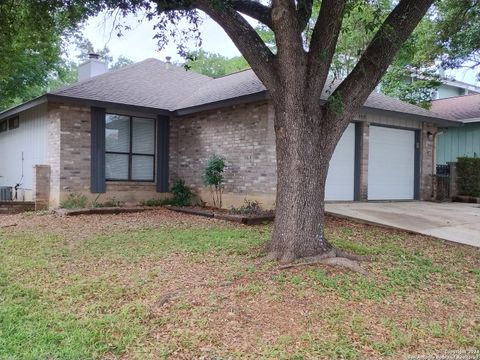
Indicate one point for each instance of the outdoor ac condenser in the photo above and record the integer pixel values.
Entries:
(6, 193)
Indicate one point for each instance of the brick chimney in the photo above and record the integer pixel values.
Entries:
(92, 67)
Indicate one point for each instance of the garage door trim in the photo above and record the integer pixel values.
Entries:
(416, 169)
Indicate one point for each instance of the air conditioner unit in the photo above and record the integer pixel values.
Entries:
(6, 193)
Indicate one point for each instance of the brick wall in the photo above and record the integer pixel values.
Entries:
(363, 166)
(243, 134)
(41, 186)
(427, 166)
(69, 159)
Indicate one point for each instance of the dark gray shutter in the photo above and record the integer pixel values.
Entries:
(163, 134)
(97, 177)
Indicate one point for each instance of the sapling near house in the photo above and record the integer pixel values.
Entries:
(213, 178)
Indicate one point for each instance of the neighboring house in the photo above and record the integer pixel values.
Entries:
(129, 133)
(459, 141)
(453, 88)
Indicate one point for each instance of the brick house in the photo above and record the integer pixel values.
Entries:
(129, 133)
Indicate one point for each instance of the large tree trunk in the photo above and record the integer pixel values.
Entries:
(304, 146)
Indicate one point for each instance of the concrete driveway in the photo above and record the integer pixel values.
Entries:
(456, 222)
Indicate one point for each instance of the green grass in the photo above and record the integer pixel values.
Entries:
(32, 327)
(155, 243)
(96, 297)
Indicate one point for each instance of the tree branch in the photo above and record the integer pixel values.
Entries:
(374, 62)
(255, 10)
(323, 44)
(304, 12)
(244, 36)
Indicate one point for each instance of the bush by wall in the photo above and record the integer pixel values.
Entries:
(468, 171)
(182, 194)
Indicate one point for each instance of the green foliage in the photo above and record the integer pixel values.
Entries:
(250, 207)
(182, 194)
(31, 46)
(458, 27)
(420, 90)
(74, 201)
(468, 170)
(213, 177)
(214, 168)
(214, 65)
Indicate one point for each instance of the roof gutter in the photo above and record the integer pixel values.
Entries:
(441, 122)
(78, 101)
(22, 107)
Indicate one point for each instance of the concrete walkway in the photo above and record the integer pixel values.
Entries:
(456, 222)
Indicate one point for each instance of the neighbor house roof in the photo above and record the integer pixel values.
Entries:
(461, 84)
(463, 109)
(153, 84)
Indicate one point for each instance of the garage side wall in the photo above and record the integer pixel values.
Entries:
(244, 135)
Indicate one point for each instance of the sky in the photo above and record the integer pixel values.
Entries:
(138, 44)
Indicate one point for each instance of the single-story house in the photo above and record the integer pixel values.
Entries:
(459, 141)
(129, 133)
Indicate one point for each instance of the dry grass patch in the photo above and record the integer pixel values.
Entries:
(165, 285)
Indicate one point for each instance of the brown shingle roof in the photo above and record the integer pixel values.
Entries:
(156, 85)
(459, 108)
(246, 83)
(150, 83)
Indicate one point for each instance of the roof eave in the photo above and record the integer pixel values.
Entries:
(435, 120)
(23, 107)
(107, 104)
(79, 101)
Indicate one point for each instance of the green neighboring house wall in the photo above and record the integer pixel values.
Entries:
(461, 141)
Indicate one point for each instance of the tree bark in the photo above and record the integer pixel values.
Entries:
(304, 146)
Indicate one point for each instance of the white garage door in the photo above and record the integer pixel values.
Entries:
(341, 173)
(391, 164)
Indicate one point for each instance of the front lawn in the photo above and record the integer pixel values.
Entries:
(164, 285)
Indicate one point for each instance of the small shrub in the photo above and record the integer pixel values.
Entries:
(156, 202)
(182, 194)
(213, 178)
(469, 176)
(250, 207)
(74, 201)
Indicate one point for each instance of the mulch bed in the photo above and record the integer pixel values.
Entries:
(97, 211)
(223, 214)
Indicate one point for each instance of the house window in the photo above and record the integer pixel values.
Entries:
(3, 126)
(130, 148)
(13, 123)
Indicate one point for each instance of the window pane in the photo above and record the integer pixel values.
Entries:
(142, 167)
(117, 133)
(143, 137)
(116, 166)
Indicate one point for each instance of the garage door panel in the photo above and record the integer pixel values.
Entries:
(341, 172)
(391, 164)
